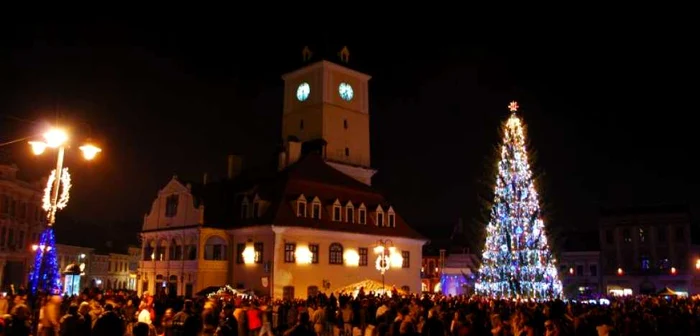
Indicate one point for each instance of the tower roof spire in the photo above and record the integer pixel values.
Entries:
(306, 53)
(344, 54)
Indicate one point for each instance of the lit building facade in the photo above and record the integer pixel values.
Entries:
(311, 226)
(110, 271)
(21, 221)
(430, 271)
(75, 255)
(580, 273)
(644, 250)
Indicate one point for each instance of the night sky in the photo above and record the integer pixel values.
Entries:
(610, 116)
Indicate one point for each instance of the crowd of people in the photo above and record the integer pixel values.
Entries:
(362, 314)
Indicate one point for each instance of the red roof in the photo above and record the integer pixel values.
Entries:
(312, 177)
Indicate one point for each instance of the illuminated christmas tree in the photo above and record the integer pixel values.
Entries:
(45, 276)
(516, 259)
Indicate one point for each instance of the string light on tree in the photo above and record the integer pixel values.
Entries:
(516, 259)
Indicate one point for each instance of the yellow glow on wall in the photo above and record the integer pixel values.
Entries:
(396, 258)
(303, 255)
(352, 258)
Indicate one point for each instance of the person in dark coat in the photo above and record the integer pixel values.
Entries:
(302, 328)
(229, 324)
(186, 322)
(433, 326)
(109, 323)
(71, 322)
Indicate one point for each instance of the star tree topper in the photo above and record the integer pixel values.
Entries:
(513, 106)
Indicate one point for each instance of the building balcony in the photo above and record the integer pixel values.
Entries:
(168, 264)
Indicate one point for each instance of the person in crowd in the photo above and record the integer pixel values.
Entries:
(71, 323)
(229, 324)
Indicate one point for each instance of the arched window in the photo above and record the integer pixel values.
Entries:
(335, 255)
(149, 250)
(160, 249)
(175, 250)
(215, 248)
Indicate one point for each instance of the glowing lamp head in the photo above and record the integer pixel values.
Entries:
(303, 255)
(620, 271)
(35, 247)
(396, 260)
(673, 270)
(378, 249)
(248, 255)
(352, 258)
(38, 147)
(90, 151)
(55, 138)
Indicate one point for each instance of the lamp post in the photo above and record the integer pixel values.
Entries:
(45, 275)
(387, 258)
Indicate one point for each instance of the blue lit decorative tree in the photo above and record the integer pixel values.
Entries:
(516, 260)
(46, 276)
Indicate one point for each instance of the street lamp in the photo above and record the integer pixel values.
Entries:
(45, 275)
(387, 258)
(57, 138)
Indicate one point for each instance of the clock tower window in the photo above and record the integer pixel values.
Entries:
(347, 151)
(345, 124)
(301, 124)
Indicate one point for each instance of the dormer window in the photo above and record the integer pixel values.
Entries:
(362, 214)
(379, 216)
(256, 209)
(316, 209)
(337, 211)
(171, 203)
(391, 218)
(244, 208)
(301, 206)
(349, 213)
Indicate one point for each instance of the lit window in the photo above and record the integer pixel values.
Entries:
(364, 257)
(258, 253)
(313, 248)
(645, 262)
(289, 249)
(335, 256)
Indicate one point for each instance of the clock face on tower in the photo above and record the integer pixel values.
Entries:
(345, 91)
(303, 91)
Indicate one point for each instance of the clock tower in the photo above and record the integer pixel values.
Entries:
(329, 102)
